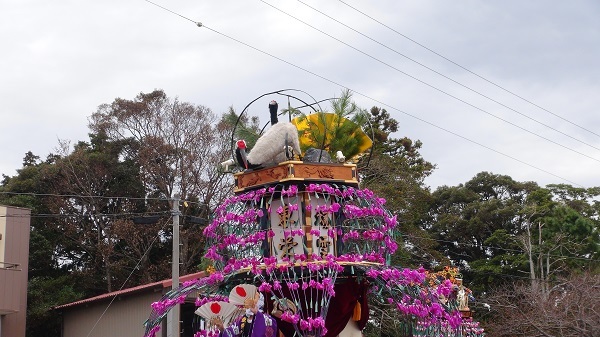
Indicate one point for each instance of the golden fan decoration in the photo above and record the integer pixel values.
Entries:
(333, 133)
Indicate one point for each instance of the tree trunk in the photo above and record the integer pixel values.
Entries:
(530, 256)
(542, 278)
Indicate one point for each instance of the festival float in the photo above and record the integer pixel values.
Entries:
(303, 239)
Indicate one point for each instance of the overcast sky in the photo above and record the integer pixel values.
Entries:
(61, 59)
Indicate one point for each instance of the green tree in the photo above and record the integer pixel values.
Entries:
(338, 130)
(497, 229)
(557, 239)
(49, 282)
(139, 154)
(178, 147)
(97, 186)
(242, 127)
(44, 292)
(476, 225)
(24, 190)
(396, 171)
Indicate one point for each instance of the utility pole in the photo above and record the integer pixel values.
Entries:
(173, 315)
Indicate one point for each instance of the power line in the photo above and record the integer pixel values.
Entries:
(409, 236)
(479, 272)
(447, 77)
(488, 273)
(498, 248)
(468, 70)
(172, 12)
(378, 101)
(85, 215)
(441, 90)
(81, 196)
(128, 277)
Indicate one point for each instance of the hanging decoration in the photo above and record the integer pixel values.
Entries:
(317, 248)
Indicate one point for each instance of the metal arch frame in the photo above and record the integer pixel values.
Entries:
(277, 92)
(311, 105)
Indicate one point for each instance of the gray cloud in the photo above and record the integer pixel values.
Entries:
(61, 60)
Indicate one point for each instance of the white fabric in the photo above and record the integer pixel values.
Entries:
(270, 147)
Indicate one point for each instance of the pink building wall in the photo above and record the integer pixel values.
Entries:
(14, 258)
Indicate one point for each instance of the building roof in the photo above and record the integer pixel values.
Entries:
(164, 284)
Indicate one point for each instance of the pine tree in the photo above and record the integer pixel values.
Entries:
(339, 130)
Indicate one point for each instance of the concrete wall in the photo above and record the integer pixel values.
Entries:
(124, 317)
(14, 258)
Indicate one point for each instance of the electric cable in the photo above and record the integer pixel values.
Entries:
(128, 277)
(498, 248)
(175, 13)
(468, 70)
(489, 273)
(246, 107)
(306, 105)
(407, 236)
(436, 88)
(378, 101)
(82, 196)
(57, 215)
(448, 78)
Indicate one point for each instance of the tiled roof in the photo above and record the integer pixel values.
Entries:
(164, 284)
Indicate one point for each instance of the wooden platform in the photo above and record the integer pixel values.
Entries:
(466, 313)
(296, 171)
